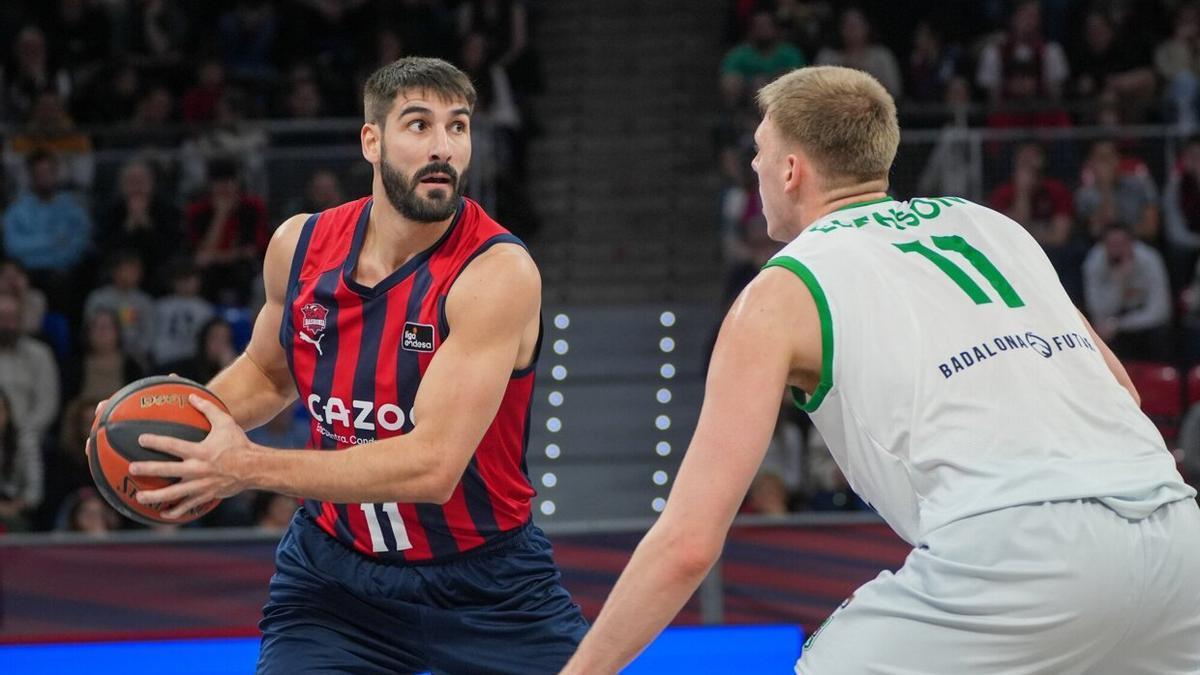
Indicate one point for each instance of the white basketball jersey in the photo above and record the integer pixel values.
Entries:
(958, 377)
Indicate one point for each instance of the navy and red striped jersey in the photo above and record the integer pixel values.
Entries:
(357, 355)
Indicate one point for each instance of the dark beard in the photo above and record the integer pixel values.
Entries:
(402, 192)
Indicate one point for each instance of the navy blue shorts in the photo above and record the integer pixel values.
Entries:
(497, 610)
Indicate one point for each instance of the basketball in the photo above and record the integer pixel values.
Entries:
(152, 405)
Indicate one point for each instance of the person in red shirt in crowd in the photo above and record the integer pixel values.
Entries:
(1024, 105)
(227, 229)
(1044, 206)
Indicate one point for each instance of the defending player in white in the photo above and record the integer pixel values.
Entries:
(963, 396)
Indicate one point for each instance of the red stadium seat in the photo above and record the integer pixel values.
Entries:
(1160, 387)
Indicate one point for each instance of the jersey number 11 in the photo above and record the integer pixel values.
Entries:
(977, 260)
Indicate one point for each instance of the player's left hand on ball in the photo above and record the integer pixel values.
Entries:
(209, 470)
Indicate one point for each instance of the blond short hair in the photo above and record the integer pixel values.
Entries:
(843, 119)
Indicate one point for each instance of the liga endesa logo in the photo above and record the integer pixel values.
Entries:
(417, 337)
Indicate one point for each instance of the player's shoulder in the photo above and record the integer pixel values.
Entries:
(502, 264)
(289, 232)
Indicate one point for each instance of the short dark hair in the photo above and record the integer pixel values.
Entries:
(413, 72)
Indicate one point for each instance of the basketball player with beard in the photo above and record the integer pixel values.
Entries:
(407, 322)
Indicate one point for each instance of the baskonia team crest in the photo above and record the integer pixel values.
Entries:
(313, 325)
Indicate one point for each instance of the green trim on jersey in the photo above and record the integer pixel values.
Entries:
(855, 205)
(818, 294)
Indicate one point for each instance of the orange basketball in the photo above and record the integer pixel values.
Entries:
(152, 405)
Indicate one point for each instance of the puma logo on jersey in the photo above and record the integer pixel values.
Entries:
(316, 343)
(417, 337)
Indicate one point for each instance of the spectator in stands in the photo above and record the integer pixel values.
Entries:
(1043, 206)
(1106, 64)
(859, 50)
(1023, 107)
(152, 125)
(933, 64)
(1128, 297)
(156, 33)
(178, 317)
(1189, 304)
(1023, 45)
(14, 280)
(1177, 61)
(70, 470)
(1109, 196)
(304, 100)
(124, 297)
(31, 72)
(81, 37)
(86, 512)
(50, 129)
(747, 248)
(227, 228)
(780, 477)
(246, 37)
(199, 103)
(950, 170)
(1181, 212)
(46, 230)
(323, 191)
(495, 129)
(804, 23)
(506, 24)
(214, 351)
(228, 140)
(28, 373)
(21, 472)
(104, 366)
(1040, 203)
(111, 97)
(762, 57)
(140, 219)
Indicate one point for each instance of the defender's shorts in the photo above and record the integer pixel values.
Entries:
(1058, 588)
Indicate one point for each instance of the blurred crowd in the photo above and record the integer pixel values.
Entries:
(150, 147)
(1001, 88)
(135, 205)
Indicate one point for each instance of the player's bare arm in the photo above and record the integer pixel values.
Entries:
(257, 385)
(771, 337)
(493, 312)
(1113, 363)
